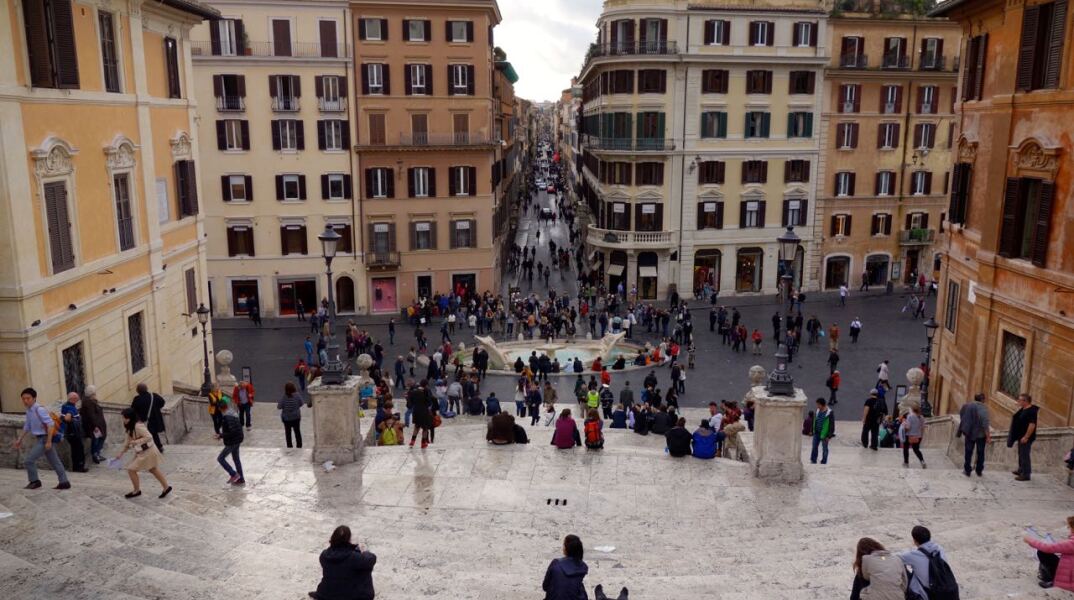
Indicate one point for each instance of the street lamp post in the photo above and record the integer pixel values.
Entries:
(788, 246)
(332, 373)
(780, 381)
(930, 332)
(207, 379)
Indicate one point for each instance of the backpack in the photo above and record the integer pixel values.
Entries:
(942, 584)
(592, 432)
(388, 437)
(54, 431)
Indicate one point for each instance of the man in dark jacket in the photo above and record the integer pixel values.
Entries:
(347, 570)
(418, 401)
(662, 421)
(149, 407)
(678, 439)
(626, 396)
(231, 433)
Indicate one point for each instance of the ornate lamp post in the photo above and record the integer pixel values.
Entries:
(333, 371)
(930, 332)
(788, 247)
(780, 381)
(207, 380)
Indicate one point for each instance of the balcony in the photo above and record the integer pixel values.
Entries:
(382, 260)
(917, 237)
(853, 61)
(270, 49)
(928, 108)
(609, 238)
(285, 104)
(895, 62)
(629, 144)
(230, 103)
(461, 138)
(931, 62)
(633, 48)
(889, 108)
(333, 105)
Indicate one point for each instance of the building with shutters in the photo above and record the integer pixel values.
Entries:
(886, 134)
(1007, 276)
(429, 147)
(275, 108)
(699, 144)
(101, 260)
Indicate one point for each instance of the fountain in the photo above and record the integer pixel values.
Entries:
(503, 355)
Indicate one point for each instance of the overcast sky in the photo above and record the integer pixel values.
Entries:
(546, 41)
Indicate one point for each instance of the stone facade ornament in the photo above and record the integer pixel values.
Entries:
(757, 375)
(53, 158)
(119, 155)
(1032, 159)
(967, 150)
(224, 377)
(364, 362)
(181, 145)
(913, 395)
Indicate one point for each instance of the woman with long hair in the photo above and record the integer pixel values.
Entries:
(346, 569)
(878, 574)
(146, 455)
(563, 580)
(566, 434)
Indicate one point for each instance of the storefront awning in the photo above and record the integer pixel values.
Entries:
(615, 270)
(646, 271)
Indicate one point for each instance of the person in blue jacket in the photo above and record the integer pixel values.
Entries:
(704, 441)
(563, 580)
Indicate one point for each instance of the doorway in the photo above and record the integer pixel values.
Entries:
(837, 272)
(876, 265)
(345, 295)
(383, 294)
(748, 270)
(292, 292)
(707, 270)
(463, 284)
(425, 286)
(911, 271)
(243, 296)
(648, 284)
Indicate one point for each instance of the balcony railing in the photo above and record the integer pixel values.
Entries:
(630, 144)
(895, 61)
(461, 138)
(625, 48)
(230, 103)
(853, 61)
(382, 260)
(285, 103)
(928, 108)
(931, 62)
(609, 238)
(889, 108)
(335, 105)
(917, 237)
(263, 49)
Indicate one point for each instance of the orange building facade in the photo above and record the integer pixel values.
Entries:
(1007, 277)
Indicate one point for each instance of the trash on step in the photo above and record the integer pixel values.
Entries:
(329, 466)
(4, 515)
(604, 549)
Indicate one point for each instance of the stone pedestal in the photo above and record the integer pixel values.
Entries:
(336, 426)
(224, 378)
(777, 437)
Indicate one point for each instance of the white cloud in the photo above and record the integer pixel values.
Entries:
(546, 41)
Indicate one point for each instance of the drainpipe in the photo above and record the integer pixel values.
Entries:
(682, 157)
(906, 139)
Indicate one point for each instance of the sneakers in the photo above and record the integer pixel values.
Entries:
(63, 485)
(233, 479)
(424, 445)
(33, 485)
(239, 481)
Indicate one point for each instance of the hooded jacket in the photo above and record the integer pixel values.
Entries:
(563, 580)
(347, 574)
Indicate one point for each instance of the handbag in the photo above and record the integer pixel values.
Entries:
(437, 420)
(914, 439)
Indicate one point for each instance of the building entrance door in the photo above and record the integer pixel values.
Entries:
(290, 292)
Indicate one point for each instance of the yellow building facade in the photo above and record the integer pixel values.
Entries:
(102, 259)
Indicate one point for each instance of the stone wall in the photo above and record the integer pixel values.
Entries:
(1048, 451)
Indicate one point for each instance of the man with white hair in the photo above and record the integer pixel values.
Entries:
(93, 424)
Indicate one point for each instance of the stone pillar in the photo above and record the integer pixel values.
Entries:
(777, 437)
(224, 378)
(337, 432)
(914, 377)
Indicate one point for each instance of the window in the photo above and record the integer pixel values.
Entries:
(461, 78)
(1027, 216)
(762, 33)
(759, 82)
(619, 217)
(230, 92)
(171, 60)
(422, 182)
(290, 187)
(844, 184)
(653, 33)
(846, 136)
(240, 240)
(717, 33)
(463, 181)
(932, 53)
(281, 37)
(333, 134)
(920, 183)
(616, 173)
(840, 225)
(1012, 365)
(1040, 52)
(190, 286)
(796, 171)
(124, 218)
(374, 30)
(288, 135)
(757, 124)
(419, 80)
(795, 211)
(109, 57)
(649, 173)
(924, 135)
(804, 34)
(752, 214)
(423, 235)
(416, 30)
(800, 124)
(885, 183)
(136, 338)
(927, 96)
(973, 73)
(852, 53)
(226, 35)
(460, 31)
(50, 41)
(186, 188)
(652, 81)
(887, 135)
(714, 81)
(881, 224)
(381, 240)
(335, 186)
(895, 53)
(650, 127)
(617, 82)
(802, 82)
(917, 220)
(714, 124)
(710, 215)
(649, 216)
(375, 79)
(961, 182)
(331, 92)
(755, 171)
(327, 30)
(293, 239)
(232, 135)
(891, 99)
(463, 234)
(710, 172)
(377, 132)
(344, 230)
(849, 98)
(236, 188)
(951, 312)
(379, 184)
(285, 91)
(419, 128)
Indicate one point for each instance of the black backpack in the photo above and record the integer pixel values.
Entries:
(942, 584)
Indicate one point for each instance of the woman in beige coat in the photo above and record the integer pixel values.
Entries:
(878, 574)
(146, 455)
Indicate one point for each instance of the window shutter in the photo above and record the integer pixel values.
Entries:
(834, 230)
(839, 98)
(786, 209)
(371, 233)
(710, 32)
(808, 125)
(453, 173)
(795, 38)
(296, 85)
(1042, 229)
(342, 86)
(813, 27)
(786, 172)
(408, 85)
(279, 187)
(225, 188)
(719, 215)
(925, 220)
(847, 227)
(275, 134)
(429, 89)
(850, 187)
(928, 182)
(470, 80)
(742, 213)
(387, 75)
(410, 182)
(369, 183)
(221, 135)
(764, 171)
(390, 174)
(979, 66)
(428, 30)
(753, 32)
(244, 130)
(473, 180)
(803, 212)
(469, 31)
(318, 86)
(969, 71)
(857, 98)
(301, 187)
(917, 135)
(453, 235)
(345, 134)
(347, 193)
(853, 135)
(413, 225)
(218, 81)
(432, 182)
(920, 98)
(324, 187)
(384, 30)
(876, 183)
(301, 135)
(1055, 49)
(320, 135)
(909, 221)
(761, 210)
(771, 33)
(1027, 49)
(365, 80)
(63, 35)
(952, 207)
(361, 29)
(249, 188)
(766, 121)
(37, 44)
(874, 227)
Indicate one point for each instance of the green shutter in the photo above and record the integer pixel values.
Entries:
(809, 124)
(790, 124)
(660, 126)
(746, 126)
(766, 119)
(629, 125)
(721, 124)
(641, 129)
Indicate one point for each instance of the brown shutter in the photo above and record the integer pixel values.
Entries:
(979, 65)
(786, 172)
(432, 235)
(710, 32)
(874, 227)
(365, 79)
(1042, 228)
(410, 182)
(470, 80)
(387, 72)
(813, 34)
(786, 209)
(1008, 237)
(221, 135)
(1027, 48)
(876, 183)
(279, 187)
(803, 212)
(275, 134)
(880, 135)
(413, 225)
(368, 183)
(771, 33)
(917, 135)
(473, 180)
(795, 38)
(853, 177)
(1055, 47)
(928, 182)
(318, 86)
(324, 187)
(329, 49)
(361, 29)
(841, 93)
(370, 229)
(384, 30)
(761, 210)
(408, 86)
(848, 223)
(300, 134)
(218, 83)
(920, 98)
(37, 43)
(452, 175)
(225, 188)
(857, 97)
(853, 135)
(249, 188)
(834, 228)
(59, 225)
(63, 34)
(320, 135)
(969, 70)
(390, 174)
(753, 33)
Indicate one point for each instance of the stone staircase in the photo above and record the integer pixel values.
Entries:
(462, 520)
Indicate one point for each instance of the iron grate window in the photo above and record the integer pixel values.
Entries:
(74, 369)
(136, 335)
(953, 291)
(1012, 369)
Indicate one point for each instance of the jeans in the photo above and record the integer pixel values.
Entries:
(35, 453)
(873, 430)
(78, 451)
(974, 447)
(222, 459)
(1025, 468)
(244, 415)
(520, 409)
(288, 427)
(96, 445)
(406, 417)
(218, 421)
(818, 442)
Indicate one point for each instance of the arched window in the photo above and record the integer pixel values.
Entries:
(344, 295)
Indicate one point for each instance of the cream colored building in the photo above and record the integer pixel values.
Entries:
(700, 143)
(102, 260)
(275, 106)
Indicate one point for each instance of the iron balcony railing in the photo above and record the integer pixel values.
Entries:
(230, 103)
(631, 48)
(461, 138)
(285, 103)
(275, 49)
(630, 144)
(853, 61)
(913, 237)
(382, 259)
(895, 61)
(334, 105)
(931, 62)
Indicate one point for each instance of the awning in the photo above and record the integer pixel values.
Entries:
(616, 270)
(646, 271)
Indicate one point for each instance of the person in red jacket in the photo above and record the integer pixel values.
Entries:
(1056, 560)
(243, 397)
(833, 384)
(605, 376)
(757, 338)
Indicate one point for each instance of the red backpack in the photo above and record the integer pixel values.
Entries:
(592, 432)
